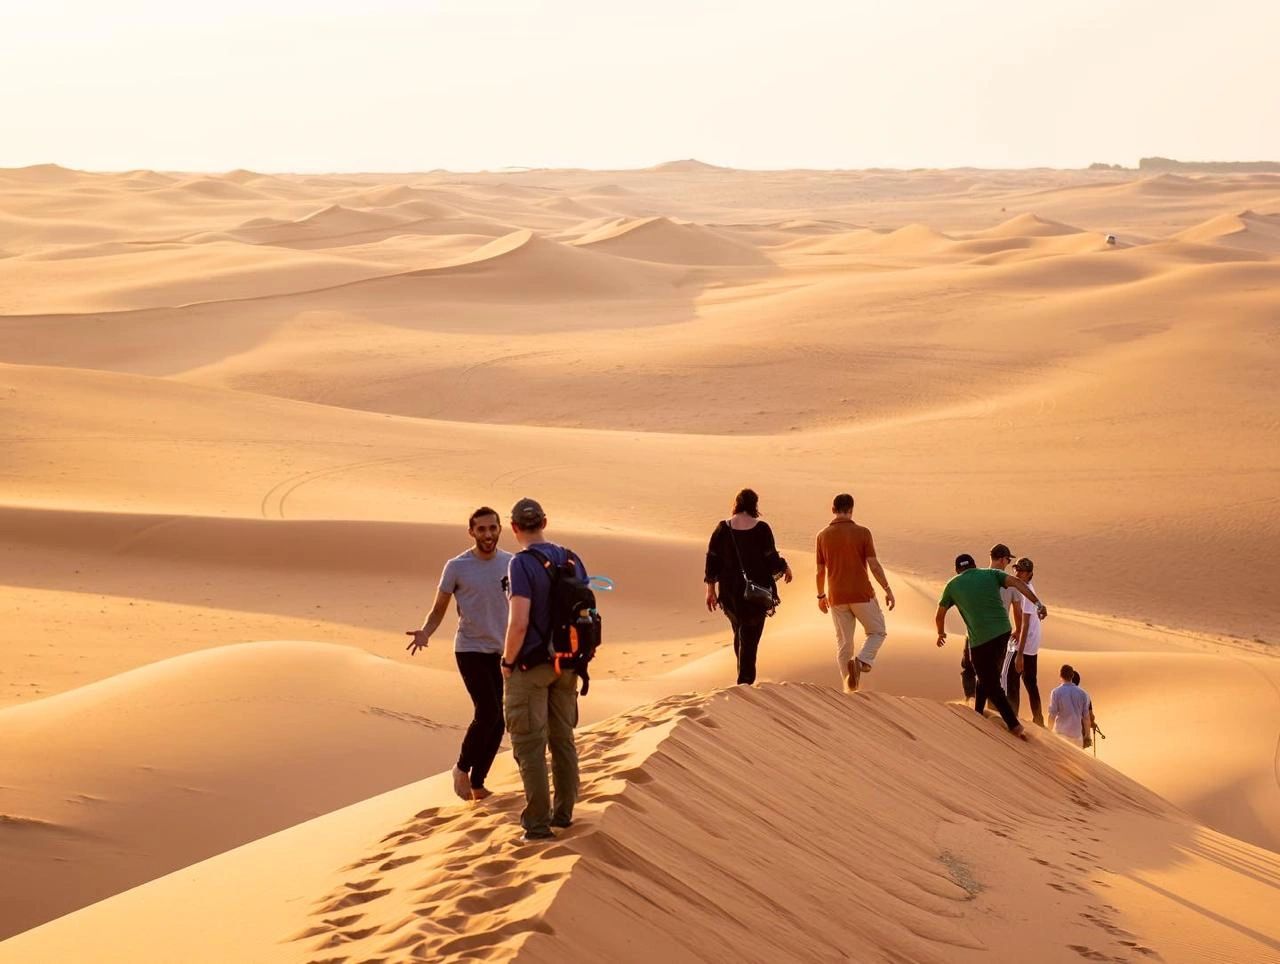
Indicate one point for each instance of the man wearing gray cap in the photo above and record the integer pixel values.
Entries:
(541, 700)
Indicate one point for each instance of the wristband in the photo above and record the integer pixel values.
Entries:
(822, 595)
(506, 665)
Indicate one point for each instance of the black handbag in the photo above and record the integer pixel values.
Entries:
(753, 594)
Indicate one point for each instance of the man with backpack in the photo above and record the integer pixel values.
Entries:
(552, 632)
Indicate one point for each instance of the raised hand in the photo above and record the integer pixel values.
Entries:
(420, 640)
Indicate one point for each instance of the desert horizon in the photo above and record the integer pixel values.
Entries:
(246, 417)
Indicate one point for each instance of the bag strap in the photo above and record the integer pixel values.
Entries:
(728, 524)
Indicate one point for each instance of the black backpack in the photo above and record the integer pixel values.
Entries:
(573, 629)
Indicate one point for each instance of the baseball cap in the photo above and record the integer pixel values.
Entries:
(1000, 550)
(964, 561)
(1024, 565)
(527, 514)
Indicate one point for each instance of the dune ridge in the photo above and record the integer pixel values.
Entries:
(680, 849)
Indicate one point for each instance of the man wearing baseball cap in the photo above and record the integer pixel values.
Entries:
(1024, 650)
(541, 701)
(976, 593)
(1002, 558)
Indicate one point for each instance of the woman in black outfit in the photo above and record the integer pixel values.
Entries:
(741, 549)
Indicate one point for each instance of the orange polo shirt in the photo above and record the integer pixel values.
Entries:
(843, 549)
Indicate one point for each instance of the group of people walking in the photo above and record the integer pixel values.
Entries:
(517, 684)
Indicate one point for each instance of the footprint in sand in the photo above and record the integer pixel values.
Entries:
(1090, 954)
(399, 862)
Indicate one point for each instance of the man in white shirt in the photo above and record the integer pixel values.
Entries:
(1024, 650)
(1068, 708)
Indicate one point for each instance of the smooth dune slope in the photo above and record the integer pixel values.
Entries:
(121, 781)
(953, 841)
(245, 407)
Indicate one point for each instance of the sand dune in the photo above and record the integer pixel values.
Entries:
(654, 863)
(122, 781)
(661, 239)
(242, 407)
(1027, 225)
(1247, 230)
(169, 275)
(213, 188)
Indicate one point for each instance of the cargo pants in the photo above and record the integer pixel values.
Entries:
(541, 710)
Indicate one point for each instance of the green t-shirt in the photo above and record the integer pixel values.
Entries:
(976, 593)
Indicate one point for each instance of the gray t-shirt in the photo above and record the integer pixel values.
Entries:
(479, 587)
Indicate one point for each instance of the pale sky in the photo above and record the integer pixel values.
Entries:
(395, 85)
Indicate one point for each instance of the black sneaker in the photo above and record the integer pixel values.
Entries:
(531, 835)
(562, 824)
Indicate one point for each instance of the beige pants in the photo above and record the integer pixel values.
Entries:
(872, 619)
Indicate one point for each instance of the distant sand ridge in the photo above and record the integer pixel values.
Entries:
(257, 408)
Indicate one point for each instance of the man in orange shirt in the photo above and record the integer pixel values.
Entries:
(845, 552)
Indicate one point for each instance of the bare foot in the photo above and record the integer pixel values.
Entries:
(461, 784)
(1020, 732)
(481, 793)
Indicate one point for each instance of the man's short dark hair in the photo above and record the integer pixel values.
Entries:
(480, 513)
(1065, 672)
(747, 501)
(842, 503)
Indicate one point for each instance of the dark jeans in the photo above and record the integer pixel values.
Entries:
(988, 662)
(1027, 677)
(747, 631)
(482, 674)
(968, 678)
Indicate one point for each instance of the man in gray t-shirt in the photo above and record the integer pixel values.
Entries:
(479, 586)
(477, 580)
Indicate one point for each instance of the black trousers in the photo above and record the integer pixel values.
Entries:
(1027, 678)
(968, 678)
(482, 674)
(988, 663)
(747, 630)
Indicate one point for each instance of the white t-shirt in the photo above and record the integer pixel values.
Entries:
(1030, 625)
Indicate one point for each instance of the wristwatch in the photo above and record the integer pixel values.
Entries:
(506, 665)
(822, 595)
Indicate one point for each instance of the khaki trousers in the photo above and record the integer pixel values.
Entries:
(541, 710)
(844, 615)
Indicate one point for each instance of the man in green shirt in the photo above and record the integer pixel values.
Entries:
(976, 593)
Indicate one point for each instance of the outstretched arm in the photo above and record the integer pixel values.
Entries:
(1013, 582)
(423, 636)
